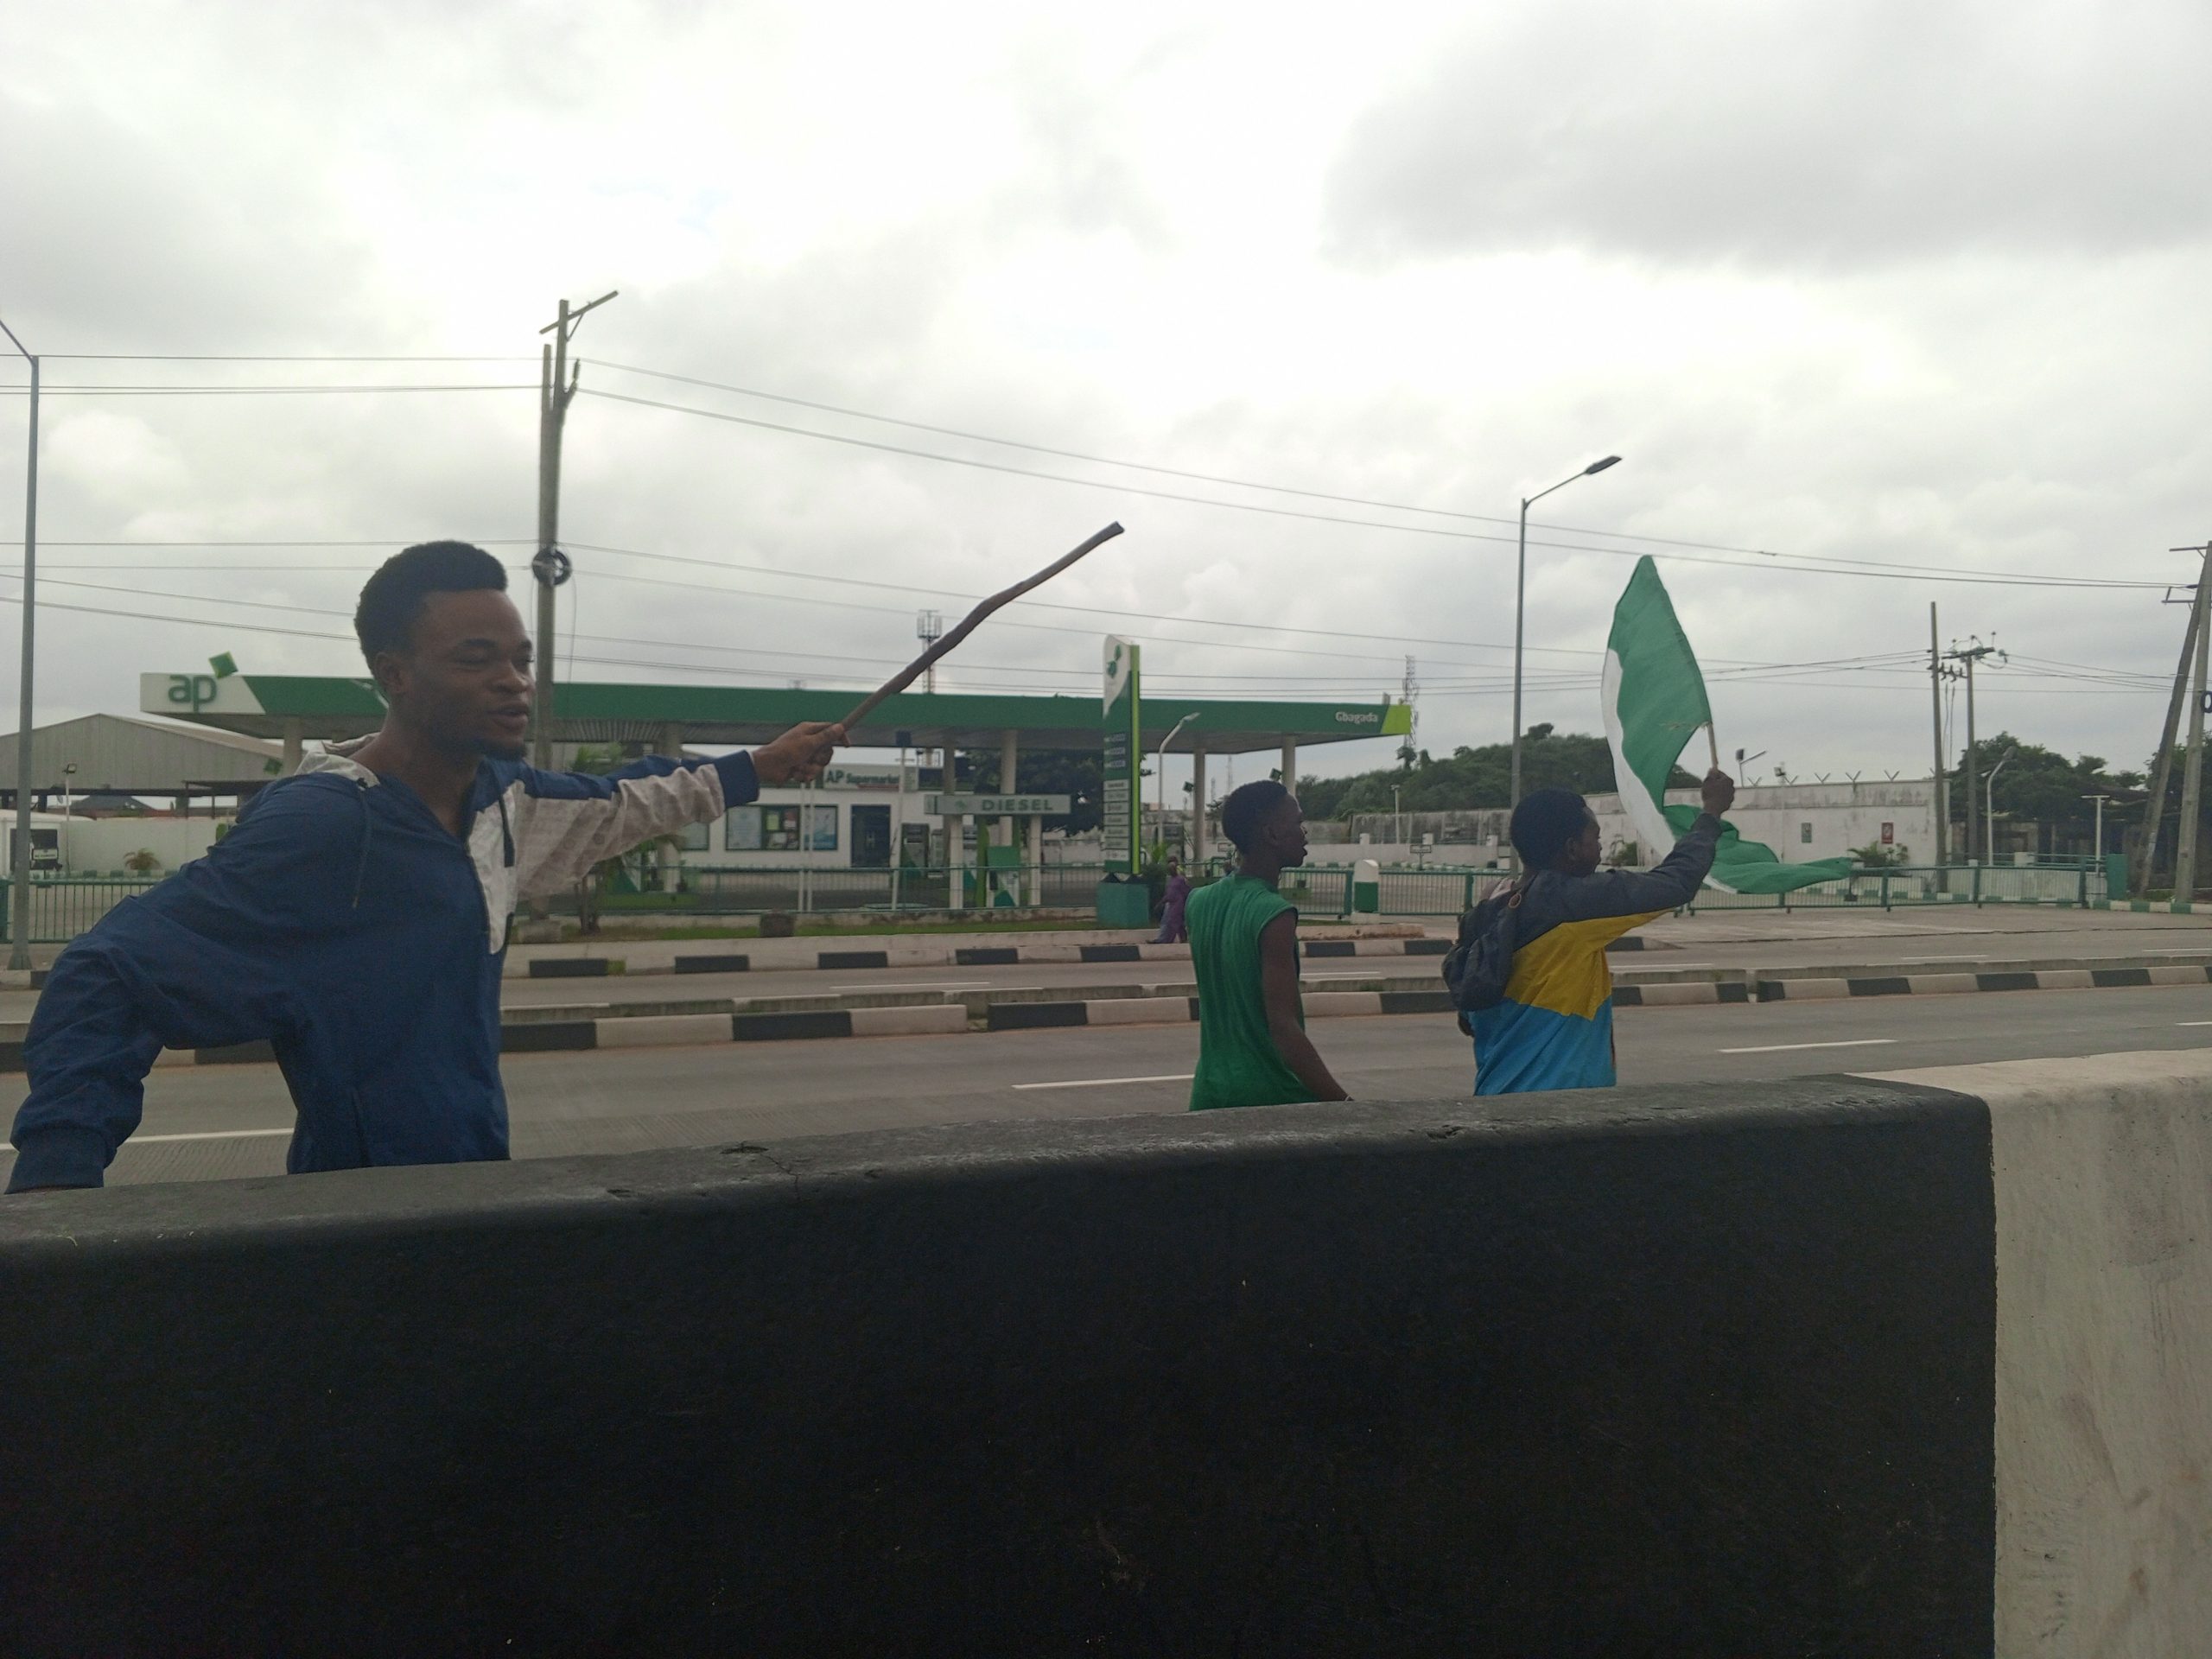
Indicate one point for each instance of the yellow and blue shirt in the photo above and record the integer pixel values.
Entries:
(1554, 1028)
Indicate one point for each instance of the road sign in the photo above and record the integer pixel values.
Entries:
(1119, 832)
(997, 806)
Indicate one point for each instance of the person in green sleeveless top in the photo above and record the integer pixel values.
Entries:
(1253, 1049)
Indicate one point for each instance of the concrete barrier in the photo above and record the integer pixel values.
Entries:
(1909, 1365)
(2102, 1173)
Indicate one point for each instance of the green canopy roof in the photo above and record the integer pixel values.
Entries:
(334, 707)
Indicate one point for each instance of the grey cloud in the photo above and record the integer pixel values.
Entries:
(1786, 134)
(1076, 174)
(114, 235)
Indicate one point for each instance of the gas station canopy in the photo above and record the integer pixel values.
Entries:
(334, 707)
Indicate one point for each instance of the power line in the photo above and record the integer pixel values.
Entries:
(237, 627)
(1822, 564)
(1301, 652)
(696, 645)
(845, 582)
(1899, 570)
(382, 541)
(246, 392)
(1152, 618)
(1733, 670)
(277, 357)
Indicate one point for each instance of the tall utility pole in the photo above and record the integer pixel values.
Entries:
(2162, 769)
(2192, 774)
(557, 389)
(1935, 691)
(1976, 845)
(19, 893)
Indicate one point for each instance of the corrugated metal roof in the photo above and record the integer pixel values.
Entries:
(131, 756)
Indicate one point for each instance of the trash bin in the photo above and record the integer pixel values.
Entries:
(1367, 887)
(1124, 901)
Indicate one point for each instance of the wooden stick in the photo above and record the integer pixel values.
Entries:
(920, 665)
(1712, 743)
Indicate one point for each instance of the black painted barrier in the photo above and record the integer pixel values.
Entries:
(568, 967)
(712, 964)
(852, 959)
(1669, 1371)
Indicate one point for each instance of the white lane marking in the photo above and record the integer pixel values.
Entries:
(1321, 976)
(1100, 1082)
(2194, 951)
(932, 985)
(1783, 1048)
(208, 1135)
(1910, 962)
(2180, 1025)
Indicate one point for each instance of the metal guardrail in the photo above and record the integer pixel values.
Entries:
(1318, 890)
(2073, 886)
(62, 907)
(806, 891)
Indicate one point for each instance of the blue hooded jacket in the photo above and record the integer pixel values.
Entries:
(343, 923)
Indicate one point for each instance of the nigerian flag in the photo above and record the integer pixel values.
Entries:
(1654, 704)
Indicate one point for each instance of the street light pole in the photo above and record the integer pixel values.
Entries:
(19, 893)
(1520, 615)
(1989, 811)
(1161, 765)
(2100, 800)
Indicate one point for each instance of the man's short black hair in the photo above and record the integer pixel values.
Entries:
(1247, 808)
(1545, 823)
(384, 620)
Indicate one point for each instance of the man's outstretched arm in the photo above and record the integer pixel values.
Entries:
(572, 820)
(1673, 884)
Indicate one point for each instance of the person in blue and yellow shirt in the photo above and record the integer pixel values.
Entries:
(1554, 1029)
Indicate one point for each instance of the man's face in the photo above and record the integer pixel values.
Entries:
(464, 682)
(1287, 832)
(1585, 850)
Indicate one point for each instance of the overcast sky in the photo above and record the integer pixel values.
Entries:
(1908, 284)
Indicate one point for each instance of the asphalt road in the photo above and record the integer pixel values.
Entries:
(207, 1122)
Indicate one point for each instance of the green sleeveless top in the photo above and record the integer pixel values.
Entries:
(1238, 1063)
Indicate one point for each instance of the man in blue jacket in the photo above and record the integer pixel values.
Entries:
(356, 917)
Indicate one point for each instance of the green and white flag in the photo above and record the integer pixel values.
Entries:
(1655, 702)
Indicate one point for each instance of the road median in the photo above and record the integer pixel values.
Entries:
(918, 1011)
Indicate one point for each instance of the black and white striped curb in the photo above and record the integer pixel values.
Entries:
(1177, 1010)
(931, 1019)
(546, 1030)
(1698, 993)
(1811, 988)
(918, 955)
(636, 1031)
